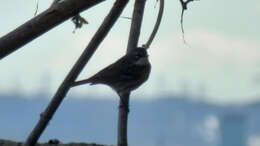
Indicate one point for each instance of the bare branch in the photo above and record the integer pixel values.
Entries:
(42, 23)
(156, 26)
(136, 25)
(74, 72)
(184, 5)
(122, 119)
(124, 97)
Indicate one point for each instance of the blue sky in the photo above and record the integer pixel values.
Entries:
(220, 62)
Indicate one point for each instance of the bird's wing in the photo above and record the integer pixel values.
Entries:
(109, 73)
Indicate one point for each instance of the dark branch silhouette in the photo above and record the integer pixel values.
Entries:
(136, 25)
(132, 44)
(123, 110)
(156, 26)
(74, 72)
(184, 5)
(56, 14)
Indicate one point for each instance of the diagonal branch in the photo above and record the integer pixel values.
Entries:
(42, 23)
(74, 72)
(136, 25)
(156, 26)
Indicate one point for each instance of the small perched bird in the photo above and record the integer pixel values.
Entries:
(125, 75)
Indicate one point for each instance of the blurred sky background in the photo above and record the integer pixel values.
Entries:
(221, 60)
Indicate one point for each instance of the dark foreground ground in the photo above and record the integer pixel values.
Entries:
(50, 143)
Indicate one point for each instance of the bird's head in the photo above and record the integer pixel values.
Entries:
(139, 56)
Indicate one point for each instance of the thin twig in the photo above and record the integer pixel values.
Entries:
(156, 26)
(184, 5)
(37, 6)
(42, 23)
(125, 17)
(182, 29)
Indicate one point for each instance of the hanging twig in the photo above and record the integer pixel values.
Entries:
(42, 23)
(156, 26)
(37, 6)
(74, 72)
(184, 5)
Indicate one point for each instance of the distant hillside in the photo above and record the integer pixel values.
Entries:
(160, 122)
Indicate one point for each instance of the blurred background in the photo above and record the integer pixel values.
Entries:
(205, 92)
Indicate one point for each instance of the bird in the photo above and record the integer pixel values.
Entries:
(125, 75)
